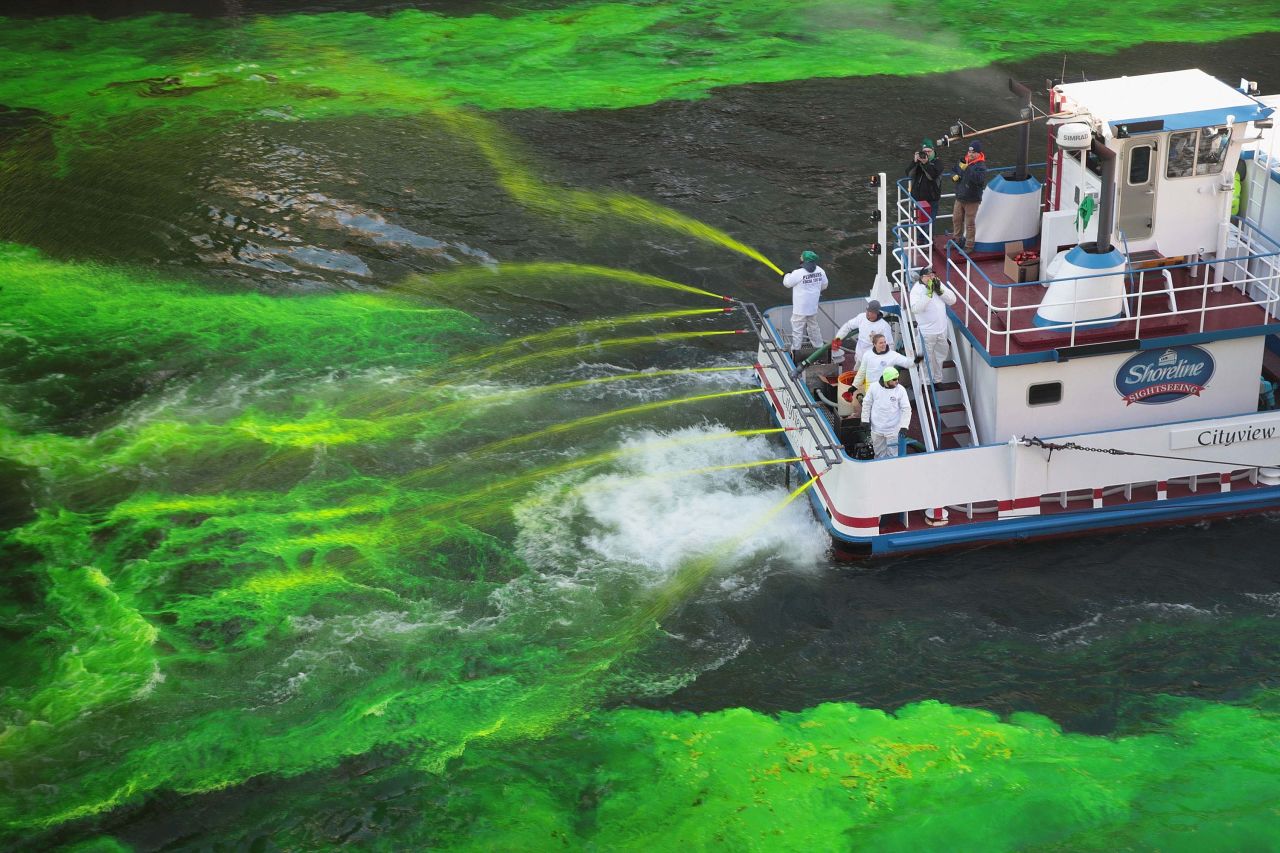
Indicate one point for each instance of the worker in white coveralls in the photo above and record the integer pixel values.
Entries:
(878, 359)
(806, 285)
(888, 411)
(929, 301)
(867, 324)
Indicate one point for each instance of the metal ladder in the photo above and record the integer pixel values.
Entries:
(1258, 180)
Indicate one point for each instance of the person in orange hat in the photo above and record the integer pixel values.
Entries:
(971, 180)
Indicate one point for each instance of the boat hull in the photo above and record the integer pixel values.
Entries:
(975, 534)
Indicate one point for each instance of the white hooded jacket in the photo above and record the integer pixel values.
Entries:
(931, 311)
(806, 288)
(867, 329)
(873, 364)
(886, 409)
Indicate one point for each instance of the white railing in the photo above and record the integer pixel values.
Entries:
(914, 238)
(1251, 266)
(921, 375)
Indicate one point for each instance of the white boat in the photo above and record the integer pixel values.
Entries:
(1125, 384)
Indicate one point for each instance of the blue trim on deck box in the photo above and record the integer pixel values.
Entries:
(1078, 256)
(1001, 184)
(1088, 325)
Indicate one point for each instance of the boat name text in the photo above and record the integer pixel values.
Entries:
(1222, 436)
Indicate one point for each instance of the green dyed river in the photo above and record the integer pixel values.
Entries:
(380, 467)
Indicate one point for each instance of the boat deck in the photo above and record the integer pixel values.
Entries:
(999, 313)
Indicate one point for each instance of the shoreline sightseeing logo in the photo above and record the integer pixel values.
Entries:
(1164, 376)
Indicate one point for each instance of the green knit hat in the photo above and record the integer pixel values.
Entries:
(809, 255)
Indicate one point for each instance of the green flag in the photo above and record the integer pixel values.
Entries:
(1085, 212)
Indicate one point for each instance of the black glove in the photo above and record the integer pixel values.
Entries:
(919, 359)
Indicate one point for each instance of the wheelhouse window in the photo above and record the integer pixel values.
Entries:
(1197, 152)
(1044, 394)
(1212, 150)
(1139, 165)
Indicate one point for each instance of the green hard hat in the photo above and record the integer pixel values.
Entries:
(809, 255)
(889, 373)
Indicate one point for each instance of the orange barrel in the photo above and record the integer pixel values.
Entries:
(846, 395)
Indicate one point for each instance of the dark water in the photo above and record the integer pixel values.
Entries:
(180, 263)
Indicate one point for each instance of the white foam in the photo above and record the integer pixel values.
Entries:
(1084, 632)
(650, 515)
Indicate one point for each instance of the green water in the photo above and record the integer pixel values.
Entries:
(840, 776)
(169, 551)
(293, 567)
(570, 57)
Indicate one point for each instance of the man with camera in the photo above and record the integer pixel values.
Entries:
(924, 180)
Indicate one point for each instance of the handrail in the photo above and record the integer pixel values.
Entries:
(928, 426)
(1169, 288)
(1128, 275)
(1257, 229)
(912, 253)
(807, 417)
(982, 307)
(904, 251)
(931, 391)
(990, 169)
(964, 385)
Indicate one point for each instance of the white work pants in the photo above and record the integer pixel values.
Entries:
(885, 445)
(802, 324)
(935, 350)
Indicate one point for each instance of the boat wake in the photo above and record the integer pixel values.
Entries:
(657, 510)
